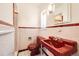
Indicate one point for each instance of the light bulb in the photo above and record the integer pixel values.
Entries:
(50, 7)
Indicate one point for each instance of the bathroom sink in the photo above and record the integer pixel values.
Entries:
(47, 44)
(69, 48)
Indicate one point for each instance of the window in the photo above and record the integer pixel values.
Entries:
(43, 19)
(45, 13)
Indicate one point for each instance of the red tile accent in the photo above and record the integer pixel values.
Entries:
(65, 25)
(31, 27)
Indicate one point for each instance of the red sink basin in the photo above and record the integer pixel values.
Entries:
(69, 48)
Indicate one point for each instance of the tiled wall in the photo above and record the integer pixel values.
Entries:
(6, 12)
(24, 33)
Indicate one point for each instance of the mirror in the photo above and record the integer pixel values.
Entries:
(62, 13)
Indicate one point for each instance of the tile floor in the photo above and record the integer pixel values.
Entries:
(27, 53)
(24, 53)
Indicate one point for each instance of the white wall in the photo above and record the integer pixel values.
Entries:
(28, 15)
(6, 12)
(6, 40)
(75, 12)
(50, 20)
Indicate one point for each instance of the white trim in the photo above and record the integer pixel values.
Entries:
(6, 31)
(43, 18)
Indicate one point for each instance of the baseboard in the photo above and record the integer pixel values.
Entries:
(22, 50)
(16, 53)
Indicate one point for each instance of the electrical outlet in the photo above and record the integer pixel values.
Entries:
(29, 38)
